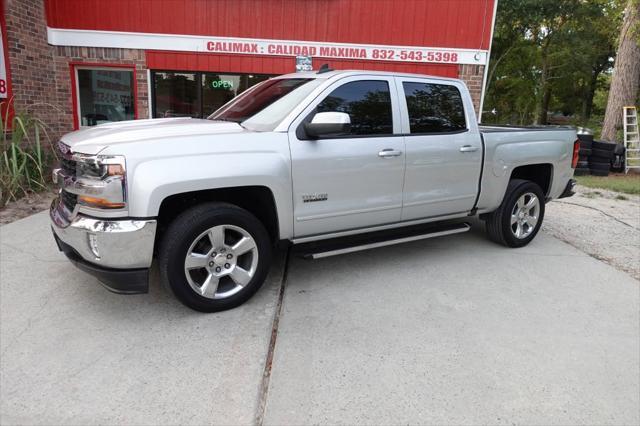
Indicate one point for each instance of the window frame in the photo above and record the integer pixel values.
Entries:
(198, 74)
(298, 123)
(406, 127)
(93, 66)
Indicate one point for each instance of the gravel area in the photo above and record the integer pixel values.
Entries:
(601, 223)
(26, 206)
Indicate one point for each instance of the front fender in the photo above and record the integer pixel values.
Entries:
(156, 179)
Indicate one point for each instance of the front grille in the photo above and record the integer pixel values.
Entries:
(68, 199)
(68, 166)
(67, 163)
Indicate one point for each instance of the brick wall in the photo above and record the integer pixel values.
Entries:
(30, 58)
(40, 73)
(472, 76)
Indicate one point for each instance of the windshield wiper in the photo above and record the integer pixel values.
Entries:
(239, 122)
(226, 119)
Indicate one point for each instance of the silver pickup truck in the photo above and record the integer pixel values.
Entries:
(329, 162)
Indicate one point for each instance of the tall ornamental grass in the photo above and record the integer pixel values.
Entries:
(27, 155)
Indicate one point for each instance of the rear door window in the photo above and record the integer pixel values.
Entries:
(434, 108)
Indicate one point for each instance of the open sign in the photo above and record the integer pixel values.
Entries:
(222, 84)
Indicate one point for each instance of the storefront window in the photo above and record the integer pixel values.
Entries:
(197, 94)
(176, 95)
(105, 95)
(218, 89)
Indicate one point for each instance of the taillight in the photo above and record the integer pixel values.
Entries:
(576, 153)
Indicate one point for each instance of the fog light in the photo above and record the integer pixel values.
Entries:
(93, 245)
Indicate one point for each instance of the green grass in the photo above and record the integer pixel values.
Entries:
(627, 184)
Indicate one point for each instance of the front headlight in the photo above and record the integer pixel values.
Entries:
(101, 181)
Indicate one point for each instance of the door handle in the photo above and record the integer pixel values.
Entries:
(388, 153)
(468, 148)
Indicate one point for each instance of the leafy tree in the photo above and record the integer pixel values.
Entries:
(548, 55)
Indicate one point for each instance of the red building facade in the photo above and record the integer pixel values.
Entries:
(94, 61)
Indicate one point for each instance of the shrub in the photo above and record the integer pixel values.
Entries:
(26, 156)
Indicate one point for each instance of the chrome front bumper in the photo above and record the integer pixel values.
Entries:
(106, 243)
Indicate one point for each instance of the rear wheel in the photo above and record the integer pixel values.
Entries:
(215, 256)
(518, 219)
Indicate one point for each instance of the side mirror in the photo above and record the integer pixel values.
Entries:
(326, 124)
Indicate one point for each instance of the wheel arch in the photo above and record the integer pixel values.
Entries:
(495, 189)
(256, 199)
(540, 174)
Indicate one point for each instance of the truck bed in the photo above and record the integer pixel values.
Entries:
(510, 147)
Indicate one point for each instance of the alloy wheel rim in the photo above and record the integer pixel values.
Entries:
(525, 215)
(221, 261)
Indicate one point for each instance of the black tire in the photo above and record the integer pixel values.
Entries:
(585, 141)
(581, 172)
(498, 223)
(584, 152)
(599, 172)
(606, 146)
(186, 229)
(602, 153)
(586, 145)
(583, 164)
(599, 166)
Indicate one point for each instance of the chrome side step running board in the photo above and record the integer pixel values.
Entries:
(320, 253)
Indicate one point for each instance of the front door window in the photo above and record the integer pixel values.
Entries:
(368, 103)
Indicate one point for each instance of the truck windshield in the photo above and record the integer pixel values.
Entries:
(265, 105)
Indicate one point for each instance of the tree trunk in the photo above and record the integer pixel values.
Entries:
(546, 99)
(545, 88)
(590, 92)
(625, 82)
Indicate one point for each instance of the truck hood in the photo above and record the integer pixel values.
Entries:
(94, 139)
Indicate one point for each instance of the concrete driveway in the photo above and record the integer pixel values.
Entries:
(453, 330)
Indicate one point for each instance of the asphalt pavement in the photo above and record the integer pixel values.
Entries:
(454, 330)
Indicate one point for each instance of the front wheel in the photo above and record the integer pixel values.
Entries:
(215, 256)
(518, 219)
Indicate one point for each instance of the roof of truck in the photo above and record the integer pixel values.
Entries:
(345, 73)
